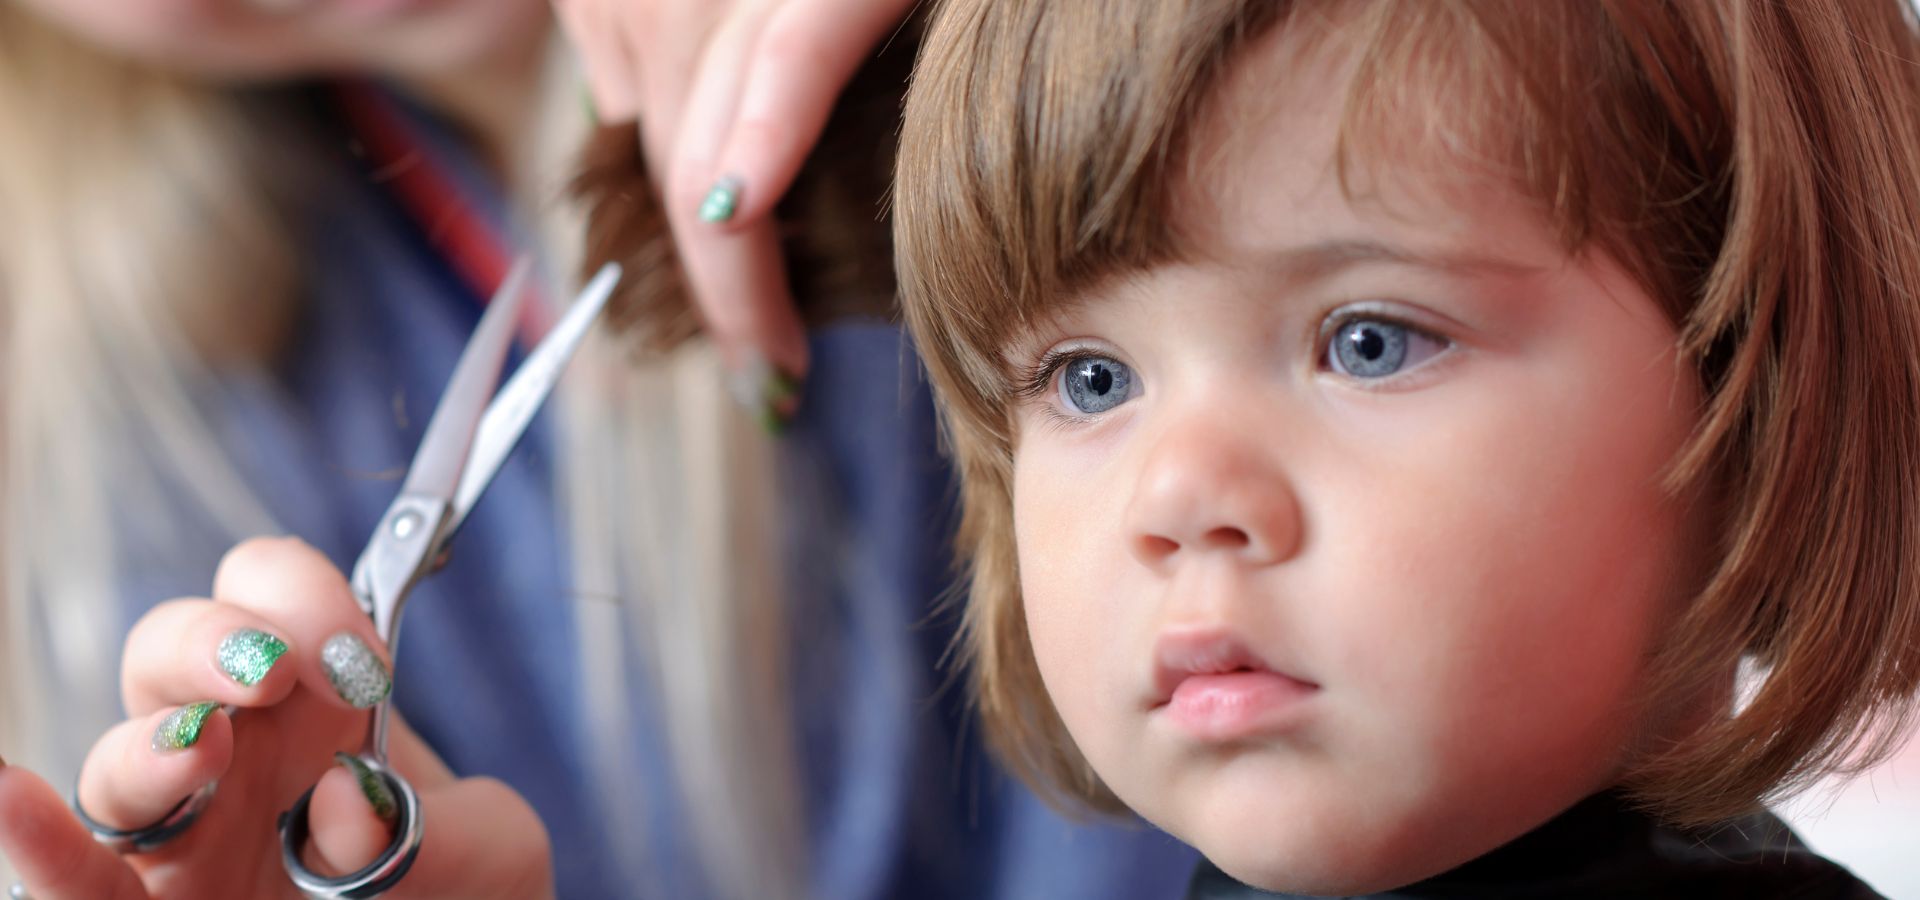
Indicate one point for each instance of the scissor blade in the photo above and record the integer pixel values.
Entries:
(451, 432)
(506, 420)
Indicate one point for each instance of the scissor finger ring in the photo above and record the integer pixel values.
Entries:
(142, 840)
(384, 872)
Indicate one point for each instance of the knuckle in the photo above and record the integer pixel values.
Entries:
(795, 42)
(254, 554)
(686, 188)
(765, 131)
(67, 866)
(139, 667)
(511, 805)
(280, 562)
(163, 612)
(642, 20)
(493, 791)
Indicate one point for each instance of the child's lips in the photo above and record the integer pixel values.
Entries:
(1210, 684)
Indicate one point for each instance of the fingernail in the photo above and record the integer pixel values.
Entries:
(723, 200)
(182, 729)
(372, 785)
(586, 103)
(358, 676)
(248, 655)
(770, 395)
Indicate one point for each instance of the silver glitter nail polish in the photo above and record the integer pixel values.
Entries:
(358, 676)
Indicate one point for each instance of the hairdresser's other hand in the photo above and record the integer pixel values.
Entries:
(730, 98)
(258, 645)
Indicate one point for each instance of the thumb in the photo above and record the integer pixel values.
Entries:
(482, 841)
(351, 816)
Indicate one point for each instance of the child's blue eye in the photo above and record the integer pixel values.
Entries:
(1095, 384)
(1369, 348)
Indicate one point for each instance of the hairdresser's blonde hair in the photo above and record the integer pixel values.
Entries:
(135, 230)
(1755, 165)
(147, 240)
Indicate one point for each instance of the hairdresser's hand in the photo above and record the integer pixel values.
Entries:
(730, 97)
(483, 841)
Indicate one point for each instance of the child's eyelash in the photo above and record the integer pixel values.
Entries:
(1338, 322)
(1333, 324)
(1032, 382)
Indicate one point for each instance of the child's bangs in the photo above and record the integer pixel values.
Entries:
(1017, 193)
(1556, 101)
(1014, 191)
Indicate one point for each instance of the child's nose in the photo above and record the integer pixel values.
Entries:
(1207, 491)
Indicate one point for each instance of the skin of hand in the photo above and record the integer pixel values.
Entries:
(484, 842)
(730, 97)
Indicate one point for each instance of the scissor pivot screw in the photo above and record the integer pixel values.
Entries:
(405, 523)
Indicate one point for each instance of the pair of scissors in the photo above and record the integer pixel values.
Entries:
(465, 443)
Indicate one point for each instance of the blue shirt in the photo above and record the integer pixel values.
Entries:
(900, 798)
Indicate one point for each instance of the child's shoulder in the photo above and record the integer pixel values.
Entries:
(1601, 848)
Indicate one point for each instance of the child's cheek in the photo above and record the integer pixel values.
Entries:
(1068, 534)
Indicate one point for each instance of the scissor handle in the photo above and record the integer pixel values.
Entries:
(142, 840)
(380, 875)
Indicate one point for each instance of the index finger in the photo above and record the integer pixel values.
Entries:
(669, 42)
(802, 60)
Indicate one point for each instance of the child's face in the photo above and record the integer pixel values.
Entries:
(1341, 547)
(271, 38)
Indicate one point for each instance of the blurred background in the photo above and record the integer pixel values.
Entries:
(1871, 823)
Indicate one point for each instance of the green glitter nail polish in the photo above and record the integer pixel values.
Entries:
(782, 387)
(767, 394)
(358, 676)
(772, 422)
(247, 655)
(182, 729)
(372, 785)
(722, 201)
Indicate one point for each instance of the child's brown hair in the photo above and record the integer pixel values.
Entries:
(1754, 165)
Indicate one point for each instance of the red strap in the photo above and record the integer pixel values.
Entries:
(404, 163)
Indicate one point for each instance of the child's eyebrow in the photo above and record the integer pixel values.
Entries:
(1307, 263)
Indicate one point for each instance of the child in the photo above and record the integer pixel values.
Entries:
(1388, 428)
